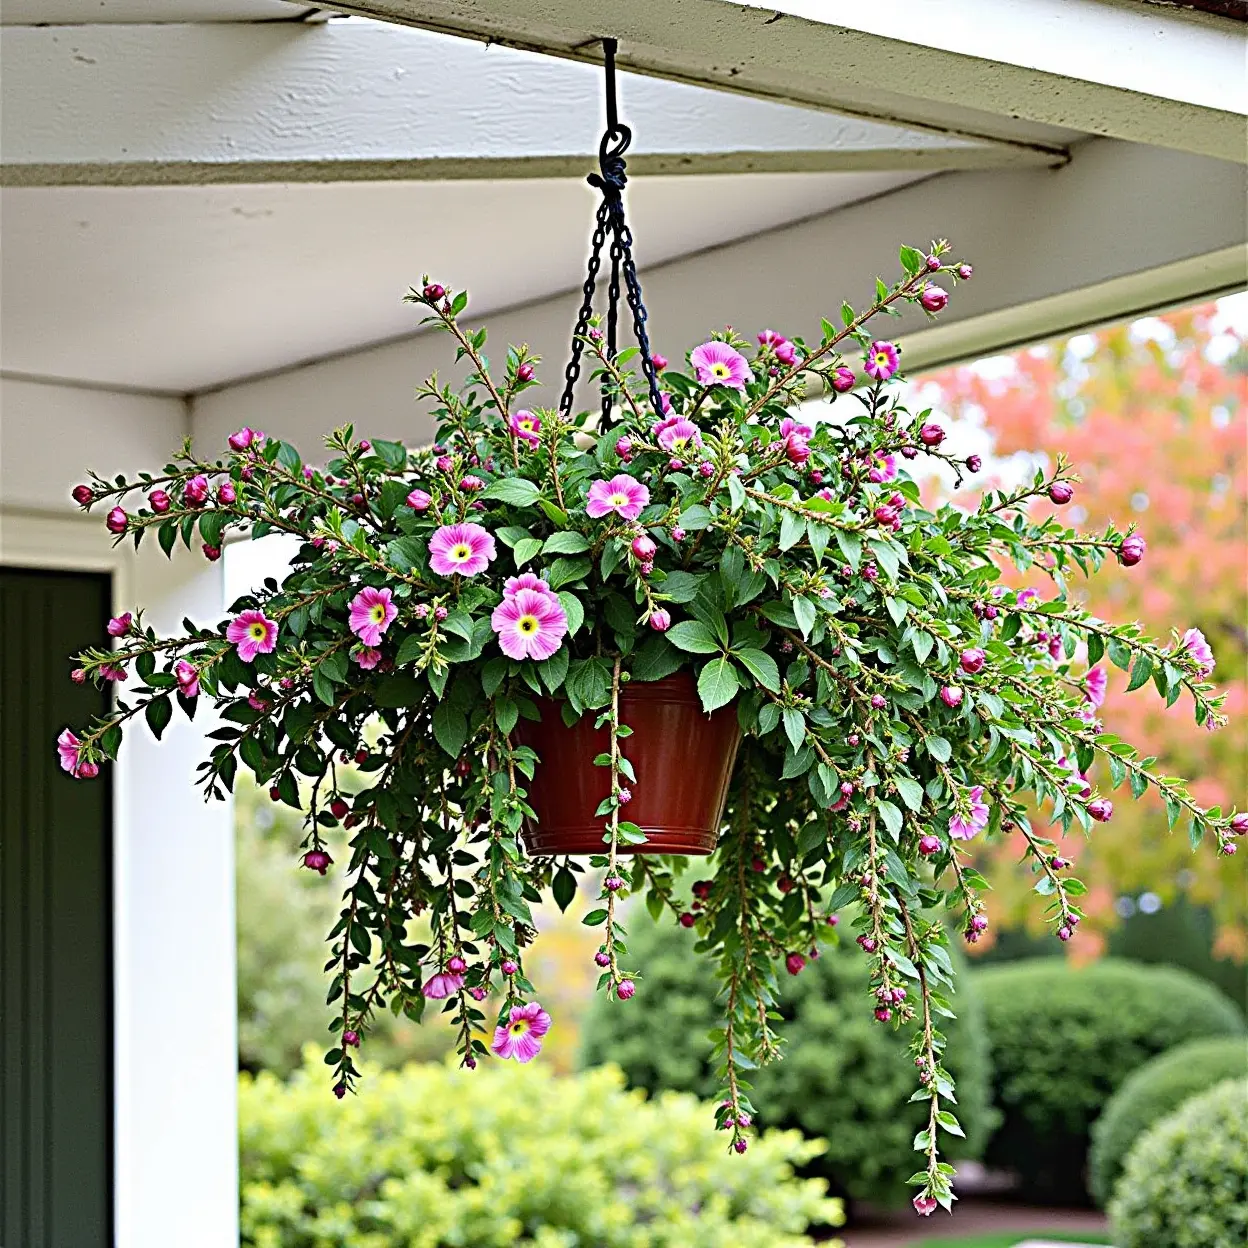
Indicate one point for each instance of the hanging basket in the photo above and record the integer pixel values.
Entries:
(682, 757)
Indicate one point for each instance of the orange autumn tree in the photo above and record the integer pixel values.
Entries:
(1154, 417)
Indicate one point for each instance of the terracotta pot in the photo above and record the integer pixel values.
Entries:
(683, 759)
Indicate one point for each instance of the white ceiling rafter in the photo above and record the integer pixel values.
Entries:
(238, 103)
(1164, 76)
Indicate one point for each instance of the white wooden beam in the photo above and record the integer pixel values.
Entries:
(1143, 72)
(1119, 231)
(349, 101)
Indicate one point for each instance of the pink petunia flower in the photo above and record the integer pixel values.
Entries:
(718, 364)
(461, 548)
(113, 671)
(69, 748)
(677, 435)
(196, 489)
(964, 829)
(665, 402)
(526, 580)
(241, 440)
(521, 1036)
(882, 360)
(119, 625)
(526, 426)
(253, 633)
(442, 985)
(370, 614)
(883, 468)
(622, 495)
(780, 346)
(366, 657)
(1195, 644)
(187, 676)
(789, 426)
(529, 625)
(1095, 682)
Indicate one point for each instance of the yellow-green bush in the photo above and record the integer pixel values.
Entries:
(509, 1157)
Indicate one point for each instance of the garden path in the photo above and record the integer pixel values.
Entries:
(972, 1217)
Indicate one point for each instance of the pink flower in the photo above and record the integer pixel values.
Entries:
(526, 580)
(69, 748)
(116, 521)
(463, 548)
(796, 448)
(660, 620)
(187, 675)
(530, 625)
(677, 434)
(83, 495)
(972, 660)
(622, 495)
(659, 362)
(419, 500)
(780, 346)
(525, 425)
(789, 427)
(718, 364)
(111, 671)
(366, 657)
(951, 695)
(370, 614)
(1102, 810)
(257, 702)
(881, 362)
(253, 633)
(196, 489)
(159, 501)
(1195, 644)
(843, 380)
(1132, 550)
(119, 625)
(1095, 681)
(883, 468)
(924, 1205)
(241, 440)
(440, 986)
(934, 299)
(521, 1036)
(964, 829)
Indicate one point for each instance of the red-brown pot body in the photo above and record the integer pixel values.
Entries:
(683, 759)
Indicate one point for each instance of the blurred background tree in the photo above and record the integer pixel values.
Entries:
(1154, 416)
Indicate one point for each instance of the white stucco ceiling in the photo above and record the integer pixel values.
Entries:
(76, 12)
(182, 289)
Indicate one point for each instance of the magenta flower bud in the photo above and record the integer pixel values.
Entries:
(883, 1014)
(315, 859)
(1131, 551)
(972, 660)
(83, 494)
(624, 447)
(117, 521)
(595, 334)
(929, 845)
(794, 963)
(159, 501)
(706, 468)
(932, 264)
(678, 534)
(418, 500)
(196, 490)
(833, 920)
(979, 922)
(1239, 824)
(613, 883)
(1060, 492)
(211, 553)
(843, 379)
(1102, 810)
(1064, 933)
(965, 271)
(625, 796)
(470, 484)
(339, 808)
(89, 771)
(439, 614)
(741, 1145)
(687, 919)
(659, 362)
(241, 440)
(78, 676)
(444, 463)
(924, 1205)
(934, 299)
(909, 452)
(508, 966)
(974, 463)
(226, 493)
(931, 435)
(434, 291)
(878, 701)
(643, 547)
(796, 448)
(660, 620)
(456, 965)
(951, 695)
(352, 1038)
(525, 372)
(602, 959)
(885, 515)
(867, 943)
(340, 1090)
(365, 444)
(119, 625)
(675, 464)
(625, 989)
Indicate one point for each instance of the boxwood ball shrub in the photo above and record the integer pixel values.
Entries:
(1185, 1181)
(432, 1157)
(842, 1078)
(1062, 1041)
(1152, 1092)
(871, 693)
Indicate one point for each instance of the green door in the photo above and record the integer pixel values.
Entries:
(55, 924)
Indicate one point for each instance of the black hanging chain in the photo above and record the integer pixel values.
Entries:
(611, 180)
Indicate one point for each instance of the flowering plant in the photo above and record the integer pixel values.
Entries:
(895, 700)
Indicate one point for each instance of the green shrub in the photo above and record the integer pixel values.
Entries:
(844, 1076)
(1185, 1180)
(1153, 1091)
(1062, 1041)
(509, 1157)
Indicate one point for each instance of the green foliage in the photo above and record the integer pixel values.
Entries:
(1152, 1092)
(511, 1157)
(844, 1076)
(1185, 1180)
(1062, 1041)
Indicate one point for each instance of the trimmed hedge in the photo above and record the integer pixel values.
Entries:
(1152, 1092)
(1185, 1180)
(1062, 1041)
(844, 1076)
(509, 1157)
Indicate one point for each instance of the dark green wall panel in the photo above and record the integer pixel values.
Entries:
(55, 924)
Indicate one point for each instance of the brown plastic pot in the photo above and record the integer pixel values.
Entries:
(682, 757)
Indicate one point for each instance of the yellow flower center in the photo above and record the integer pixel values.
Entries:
(527, 624)
(619, 500)
(377, 612)
(462, 553)
(519, 1028)
(719, 370)
(527, 426)
(258, 632)
(881, 358)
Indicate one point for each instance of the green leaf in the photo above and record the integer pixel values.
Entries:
(891, 816)
(1119, 653)
(911, 260)
(794, 726)
(1140, 673)
(736, 492)
(804, 613)
(573, 610)
(1096, 648)
(887, 558)
(818, 535)
(694, 636)
(525, 549)
(694, 518)
(680, 586)
(405, 553)
(910, 791)
(158, 713)
(566, 543)
(939, 749)
(506, 712)
(655, 659)
(761, 666)
(563, 888)
(792, 529)
(515, 491)
(851, 547)
(595, 918)
(450, 727)
(717, 684)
